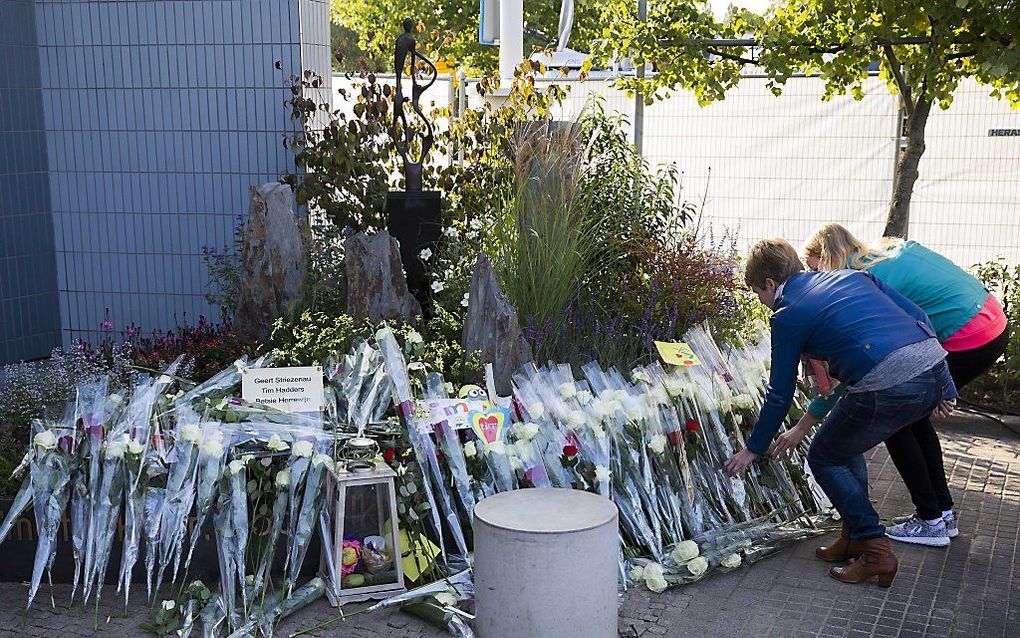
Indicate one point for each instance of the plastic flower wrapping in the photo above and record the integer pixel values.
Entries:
(176, 462)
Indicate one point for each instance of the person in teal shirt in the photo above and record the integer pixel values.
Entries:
(971, 327)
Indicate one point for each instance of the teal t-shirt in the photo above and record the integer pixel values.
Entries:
(948, 294)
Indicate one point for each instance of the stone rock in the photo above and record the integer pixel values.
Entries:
(376, 285)
(274, 260)
(492, 327)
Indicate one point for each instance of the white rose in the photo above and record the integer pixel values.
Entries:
(303, 449)
(568, 390)
(134, 447)
(637, 573)
(731, 561)
(653, 570)
(496, 448)
(276, 444)
(536, 410)
(602, 474)
(414, 337)
(613, 406)
(469, 449)
(527, 431)
(675, 387)
(698, 566)
(45, 440)
(283, 478)
(115, 449)
(323, 459)
(656, 585)
(191, 433)
(576, 419)
(236, 466)
(169, 605)
(685, 551)
(743, 402)
(657, 444)
(383, 333)
(212, 447)
(584, 397)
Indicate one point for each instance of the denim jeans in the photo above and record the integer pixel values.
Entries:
(859, 422)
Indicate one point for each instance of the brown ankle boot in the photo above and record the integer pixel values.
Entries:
(843, 549)
(876, 560)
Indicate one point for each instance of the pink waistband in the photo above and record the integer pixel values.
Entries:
(986, 325)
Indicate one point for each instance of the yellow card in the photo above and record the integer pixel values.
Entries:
(677, 354)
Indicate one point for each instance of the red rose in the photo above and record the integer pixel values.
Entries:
(675, 437)
(389, 454)
(569, 451)
(693, 425)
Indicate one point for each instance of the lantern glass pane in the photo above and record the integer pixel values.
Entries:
(367, 554)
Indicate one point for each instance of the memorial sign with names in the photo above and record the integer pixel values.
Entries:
(285, 389)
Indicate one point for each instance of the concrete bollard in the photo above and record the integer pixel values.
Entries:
(546, 565)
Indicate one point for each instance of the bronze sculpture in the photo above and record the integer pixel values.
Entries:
(404, 134)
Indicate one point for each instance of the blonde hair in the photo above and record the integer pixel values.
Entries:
(835, 247)
(773, 259)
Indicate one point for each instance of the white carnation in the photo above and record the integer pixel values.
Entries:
(576, 419)
(657, 444)
(45, 440)
(212, 447)
(685, 551)
(536, 410)
(115, 449)
(303, 449)
(191, 433)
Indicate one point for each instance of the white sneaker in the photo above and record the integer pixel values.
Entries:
(919, 532)
(950, 520)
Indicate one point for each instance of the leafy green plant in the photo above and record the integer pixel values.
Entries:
(1001, 386)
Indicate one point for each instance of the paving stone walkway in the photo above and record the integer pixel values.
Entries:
(971, 589)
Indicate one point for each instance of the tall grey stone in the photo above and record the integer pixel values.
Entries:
(492, 327)
(376, 285)
(274, 260)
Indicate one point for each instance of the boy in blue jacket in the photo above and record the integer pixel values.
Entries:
(883, 348)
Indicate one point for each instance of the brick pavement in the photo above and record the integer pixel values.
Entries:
(961, 592)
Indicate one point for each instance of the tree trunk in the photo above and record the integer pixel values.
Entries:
(906, 171)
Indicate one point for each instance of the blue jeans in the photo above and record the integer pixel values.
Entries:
(859, 422)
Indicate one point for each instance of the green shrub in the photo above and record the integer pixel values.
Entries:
(1001, 386)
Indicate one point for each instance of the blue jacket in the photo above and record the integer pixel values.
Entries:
(849, 319)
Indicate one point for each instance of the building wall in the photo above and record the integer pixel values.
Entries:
(159, 116)
(29, 318)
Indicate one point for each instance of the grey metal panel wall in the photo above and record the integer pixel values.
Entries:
(160, 115)
(29, 318)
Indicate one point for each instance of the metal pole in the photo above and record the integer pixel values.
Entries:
(639, 100)
(461, 108)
